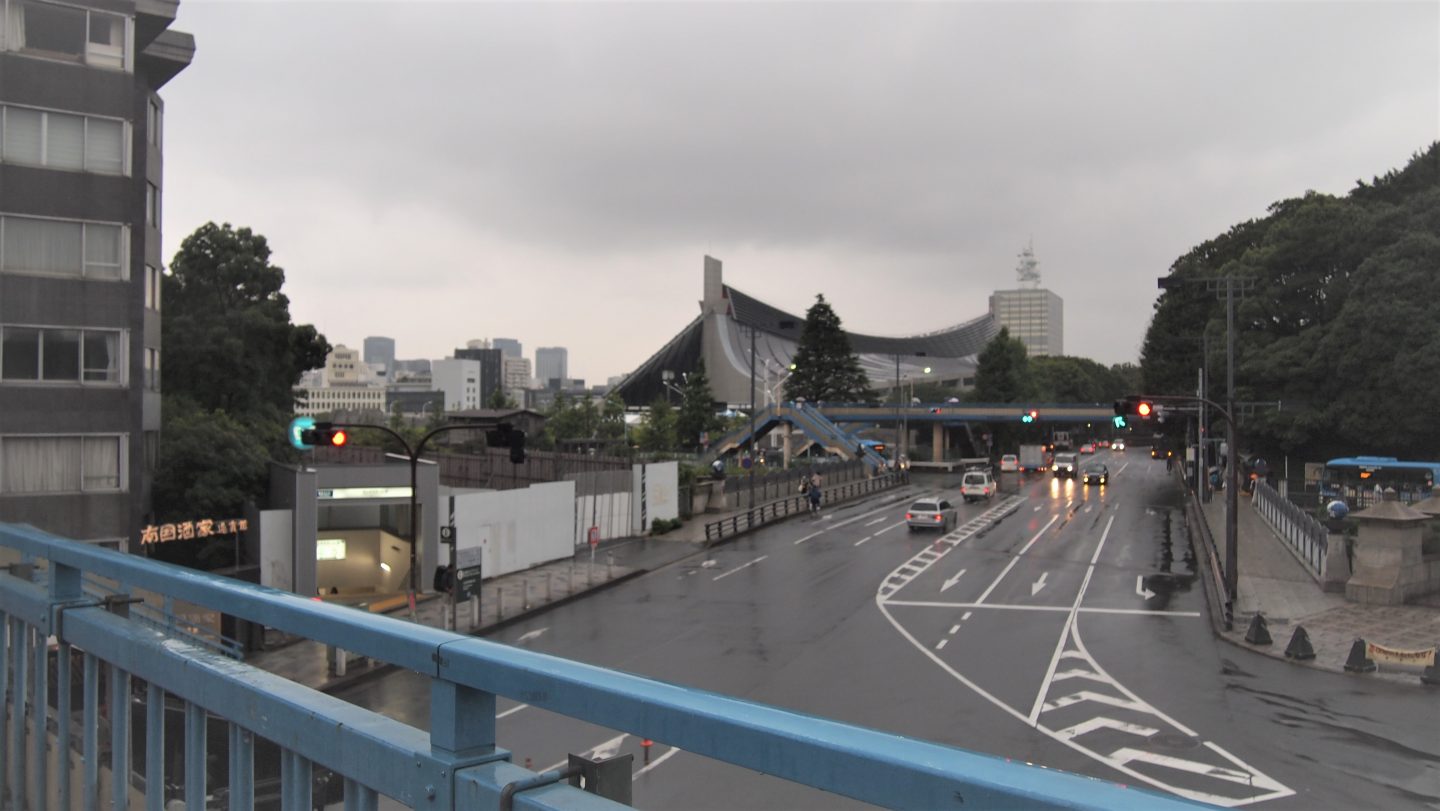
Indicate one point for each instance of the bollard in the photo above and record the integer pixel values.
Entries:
(1259, 632)
(645, 745)
(1358, 661)
(609, 565)
(525, 596)
(1299, 648)
(549, 587)
(499, 604)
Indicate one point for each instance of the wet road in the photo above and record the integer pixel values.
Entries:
(1060, 624)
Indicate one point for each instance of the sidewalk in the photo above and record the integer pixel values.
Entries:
(1274, 583)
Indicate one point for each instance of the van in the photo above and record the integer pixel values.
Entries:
(976, 485)
(1066, 465)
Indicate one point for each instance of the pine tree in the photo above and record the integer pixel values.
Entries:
(697, 409)
(826, 369)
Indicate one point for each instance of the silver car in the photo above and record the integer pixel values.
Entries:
(930, 513)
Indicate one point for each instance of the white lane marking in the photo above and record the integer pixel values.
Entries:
(1069, 624)
(656, 762)
(1140, 587)
(808, 537)
(952, 581)
(1016, 559)
(604, 751)
(965, 616)
(1038, 584)
(941, 644)
(529, 635)
(1139, 612)
(1079, 674)
(954, 628)
(1089, 507)
(1128, 755)
(1099, 698)
(887, 529)
(1122, 468)
(1101, 722)
(849, 521)
(511, 711)
(738, 568)
(876, 521)
(864, 539)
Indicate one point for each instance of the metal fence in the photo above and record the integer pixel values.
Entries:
(51, 629)
(772, 511)
(1300, 529)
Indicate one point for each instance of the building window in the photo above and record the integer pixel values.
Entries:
(77, 143)
(154, 120)
(62, 248)
(152, 369)
(152, 450)
(152, 288)
(58, 355)
(152, 205)
(73, 34)
(60, 464)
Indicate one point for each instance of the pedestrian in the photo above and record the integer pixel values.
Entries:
(814, 495)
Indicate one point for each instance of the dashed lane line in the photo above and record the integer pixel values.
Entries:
(738, 568)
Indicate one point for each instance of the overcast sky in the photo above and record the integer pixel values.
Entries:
(555, 172)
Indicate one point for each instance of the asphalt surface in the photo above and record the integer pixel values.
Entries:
(1059, 624)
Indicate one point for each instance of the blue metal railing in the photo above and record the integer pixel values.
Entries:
(457, 764)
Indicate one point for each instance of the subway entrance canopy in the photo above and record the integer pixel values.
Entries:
(721, 336)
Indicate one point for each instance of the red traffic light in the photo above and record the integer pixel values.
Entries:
(338, 437)
(1144, 409)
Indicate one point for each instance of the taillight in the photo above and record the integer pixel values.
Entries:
(909, 516)
(937, 516)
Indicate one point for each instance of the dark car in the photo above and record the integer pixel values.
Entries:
(1095, 473)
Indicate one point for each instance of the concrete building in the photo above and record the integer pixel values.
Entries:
(551, 363)
(379, 349)
(509, 347)
(81, 159)
(517, 378)
(491, 369)
(345, 384)
(1032, 314)
(459, 379)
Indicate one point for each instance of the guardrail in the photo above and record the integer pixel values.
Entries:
(458, 763)
(761, 514)
(1222, 609)
(1303, 531)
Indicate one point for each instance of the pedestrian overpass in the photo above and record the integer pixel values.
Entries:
(132, 672)
(827, 425)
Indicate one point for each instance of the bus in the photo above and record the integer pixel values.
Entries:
(1353, 479)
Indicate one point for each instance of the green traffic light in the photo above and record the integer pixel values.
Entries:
(1119, 421)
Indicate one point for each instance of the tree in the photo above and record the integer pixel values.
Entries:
(826, 368)
(657, 432)
(612, 417)
(231, 359)
(501, 399)
(1003, 375)
(697, 410)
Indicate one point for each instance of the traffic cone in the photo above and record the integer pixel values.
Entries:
(1299, 647)
(1259, 633)
(1358, 661)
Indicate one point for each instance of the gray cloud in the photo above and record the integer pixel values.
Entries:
(895, 157)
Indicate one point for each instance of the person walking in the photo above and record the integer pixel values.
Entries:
(814, 494)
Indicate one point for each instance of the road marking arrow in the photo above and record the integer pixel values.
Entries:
(529, 635)
(1038, 584)
(952, 581)
(1140, 587)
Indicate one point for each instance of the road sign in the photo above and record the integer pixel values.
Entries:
(468, 556)
(594, 536)
(745, 462)
(467, 582)
(447, 535)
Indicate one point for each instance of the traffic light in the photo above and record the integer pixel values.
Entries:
(1029, 416)
(306, 433)
(1120, 421)
(1134, 406)
(507, 437)
(325, 433)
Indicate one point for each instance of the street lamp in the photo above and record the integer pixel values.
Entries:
(1230, 285)
(904, 445)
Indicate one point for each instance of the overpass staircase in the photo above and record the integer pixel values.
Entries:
(814, 427)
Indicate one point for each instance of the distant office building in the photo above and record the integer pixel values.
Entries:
(517, 378)
(379, 349)
(551, 363)
(345, 384)
(459, 379)
(492, 367)
(80, 263)
(415, 402)
(1034, 315)
(509, 347)
(410, 368)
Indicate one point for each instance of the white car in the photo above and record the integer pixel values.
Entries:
(977, 485)
(930, 513)
(1009, 463)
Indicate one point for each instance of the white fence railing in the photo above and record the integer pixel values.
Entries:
(1303, 531)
